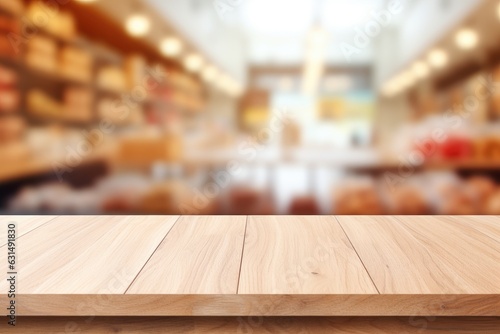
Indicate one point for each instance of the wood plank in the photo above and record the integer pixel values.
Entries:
(201, 255)
(257, 325)
(477, 264)
(489, 225)
(142, 266)
(255, 305)
(25, 224)
(87, 254)
(422, 255)
(300, 255)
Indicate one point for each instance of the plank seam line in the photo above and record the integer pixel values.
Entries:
(153, 253)
(356, 251)
(36, 228)
(242, 252)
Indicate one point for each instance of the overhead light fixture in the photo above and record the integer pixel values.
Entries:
(193, 62)
(407, 79)
(420, 70)
(466, 38)
(171, 46)
(393, 87)
(229, 86)
(209, 73)
(138, 25)
(498, 11)
(438, 58)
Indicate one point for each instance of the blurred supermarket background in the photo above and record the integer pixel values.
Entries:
(250, 106)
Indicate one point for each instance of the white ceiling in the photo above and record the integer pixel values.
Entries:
(277, 29)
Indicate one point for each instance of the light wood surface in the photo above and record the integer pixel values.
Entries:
(25, 224)
(201, 255)
(256, 266)
(257, 325)
(425, 255)
(300, 255)
(462, 250)
(86, 254)
(256, 305)
(488, 225)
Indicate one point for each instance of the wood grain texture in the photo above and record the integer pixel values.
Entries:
(25, 224)
(201, 255)
(87, 254)
(287, 266)
(300, 255)
(257, 325)
(489, 225)
(424, 255)
(255, 305)
(472, 257)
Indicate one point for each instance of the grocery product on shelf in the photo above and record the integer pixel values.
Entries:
(9, 29)
(78, 104)
(145, 149)
(41, 104)
(304, 205)
(75, 64)
(11, 128)
(9, 92)
(242, 199)
(357, 198)
(15, 7)
(482, 188)
(487, 148)
(135, 71)
(407, 199)
(492, 206)
(41, 54)
(112, 78)
(51, 19)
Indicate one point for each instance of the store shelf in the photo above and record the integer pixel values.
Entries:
(258, 265)
(30, 166)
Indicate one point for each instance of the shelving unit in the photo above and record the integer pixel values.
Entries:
(55, 84)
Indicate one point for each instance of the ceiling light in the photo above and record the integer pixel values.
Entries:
(229, 86)
(498, 11)
(407, 79)
(209, 73)
(420, 70)
(171, 47)
(466, 39)
(193, 62)
(394, 86)
(438, 58)
(138, 25)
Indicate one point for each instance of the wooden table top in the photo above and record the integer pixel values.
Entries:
(255, 265)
